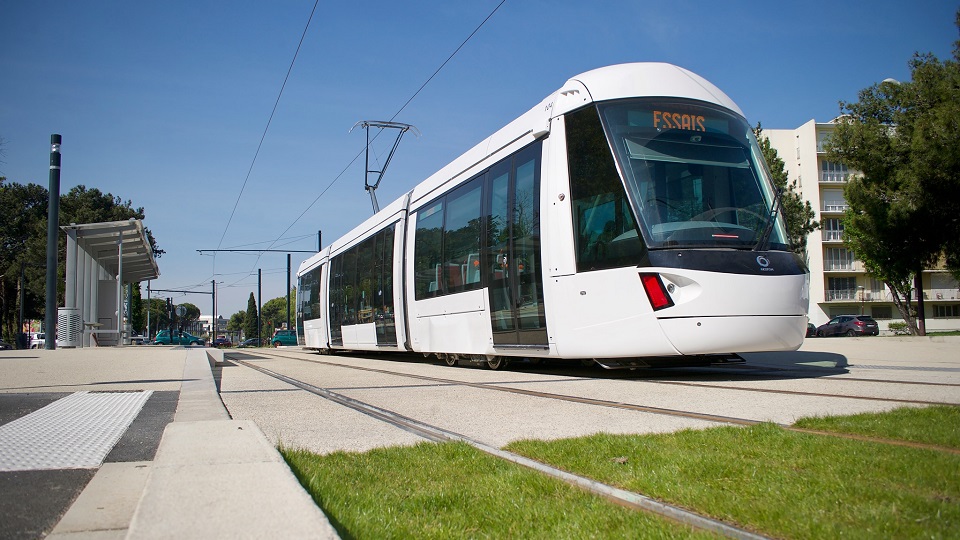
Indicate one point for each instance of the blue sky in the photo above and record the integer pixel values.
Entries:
(165, 103)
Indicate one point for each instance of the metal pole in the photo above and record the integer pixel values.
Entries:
(259, 303)
(213, 298)
(120, 324)
(146, 336)
(23, 341)
(53, 224)
(288, 291)
(319, 241)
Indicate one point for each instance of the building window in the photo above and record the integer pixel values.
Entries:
(838, 259)
(842, 288)
(949, 311)
(833, 172)
(832, 230)
(882, 312)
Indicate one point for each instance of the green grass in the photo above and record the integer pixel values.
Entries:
(783, 483)
(452, 490)
(938, 425)
(763, 478)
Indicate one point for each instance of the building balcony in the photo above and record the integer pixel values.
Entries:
(832, 236)
(834, 177)
(843, 266)
(838, 208)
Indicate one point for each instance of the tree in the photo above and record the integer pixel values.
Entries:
(798, 214)
(902, 212)
(23, 242)
(273, 314)
(237, 321)
(159, 318)
(250, 324)
(192, 314)
(138, 319)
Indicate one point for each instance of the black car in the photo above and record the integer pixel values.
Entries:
(222, 342)
(4, 346)
(849, 325)
(252, 342)
(811, 330)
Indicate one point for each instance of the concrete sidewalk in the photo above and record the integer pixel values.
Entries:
(211, 477)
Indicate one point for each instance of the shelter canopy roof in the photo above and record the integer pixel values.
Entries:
(100, 240)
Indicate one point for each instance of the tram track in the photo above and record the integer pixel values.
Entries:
(692, 415)
(619, 496)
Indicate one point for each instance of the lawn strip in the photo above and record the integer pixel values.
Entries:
(451, 490)
(938, 425)
(783, 483)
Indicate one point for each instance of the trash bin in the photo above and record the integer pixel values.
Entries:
(69, 327)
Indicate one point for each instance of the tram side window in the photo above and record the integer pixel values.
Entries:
(461, 238)
(336, 300)
(309, 294)
(426, 251)
(604, 227)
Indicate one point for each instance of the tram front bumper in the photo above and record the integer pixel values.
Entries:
(735, 334)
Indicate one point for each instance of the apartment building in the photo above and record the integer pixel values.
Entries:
(839, 284)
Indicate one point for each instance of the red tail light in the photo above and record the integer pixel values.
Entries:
(656, 292)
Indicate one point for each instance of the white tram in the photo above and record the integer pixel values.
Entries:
(627, 218)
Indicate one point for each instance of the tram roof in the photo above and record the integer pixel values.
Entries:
(637, 79)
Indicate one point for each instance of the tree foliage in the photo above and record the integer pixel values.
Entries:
(23, 239)
(237, 321)
(903, 208)
(274, 314)
(798, 214)
(250, 322)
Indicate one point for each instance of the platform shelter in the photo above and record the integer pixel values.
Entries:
(101, 259)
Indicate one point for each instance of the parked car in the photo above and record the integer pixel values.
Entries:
(222, 342)
(252, 342)
(811, 330)
(4, 346)
(849, 325)
(137, 339)
(38, 341)
(179, 338)
(284, 337)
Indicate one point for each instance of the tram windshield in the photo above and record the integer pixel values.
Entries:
(694, 173)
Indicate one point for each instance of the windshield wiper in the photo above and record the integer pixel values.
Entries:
(765, 237)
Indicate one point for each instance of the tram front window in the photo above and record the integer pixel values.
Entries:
(694, 174)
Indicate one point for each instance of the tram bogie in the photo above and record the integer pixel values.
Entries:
(608, 223)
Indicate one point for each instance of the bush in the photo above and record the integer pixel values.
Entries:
(899, 328)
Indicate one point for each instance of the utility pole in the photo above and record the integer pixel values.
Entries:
(288, 291)
(259, 303)
(213, 298)
(53, 226)
(147, 335)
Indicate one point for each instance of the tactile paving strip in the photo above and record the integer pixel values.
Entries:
(76, 432)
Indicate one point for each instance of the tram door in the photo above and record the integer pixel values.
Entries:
(515, 279)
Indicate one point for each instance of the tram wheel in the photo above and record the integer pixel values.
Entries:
(496, 362)
(450, 359)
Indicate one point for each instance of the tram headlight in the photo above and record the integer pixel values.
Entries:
(657, 294)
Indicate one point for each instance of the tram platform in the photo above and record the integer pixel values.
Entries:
(135, 442)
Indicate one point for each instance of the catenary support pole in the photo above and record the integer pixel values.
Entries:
(288, 292)
(53, 224)
(259, 303)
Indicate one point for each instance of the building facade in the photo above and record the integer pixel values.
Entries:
(839, 284)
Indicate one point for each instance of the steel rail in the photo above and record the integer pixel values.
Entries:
(619, 496)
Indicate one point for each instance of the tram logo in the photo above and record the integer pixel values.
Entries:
(764, 264)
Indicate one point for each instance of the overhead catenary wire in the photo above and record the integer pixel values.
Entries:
(392, 118)
(266, 128)
(355, 158)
